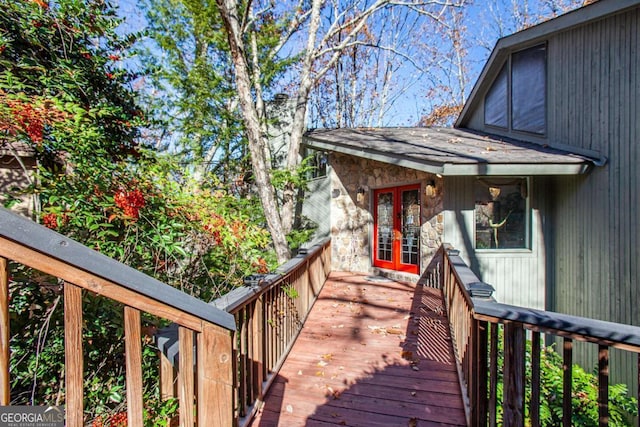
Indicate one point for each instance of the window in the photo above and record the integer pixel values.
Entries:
(517, 97)
(317, 163)
(528, 90)
(501, 218)
(495, 103)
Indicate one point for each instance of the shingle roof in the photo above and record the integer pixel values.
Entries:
(449, 151)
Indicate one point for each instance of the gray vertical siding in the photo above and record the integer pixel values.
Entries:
(317, 205)
(593, 104)
(519, 276)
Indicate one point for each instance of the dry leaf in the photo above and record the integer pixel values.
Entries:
(407, 355)
(327, 356)
(413, 422)
(322, 363)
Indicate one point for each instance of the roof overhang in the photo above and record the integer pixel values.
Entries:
(451, 152)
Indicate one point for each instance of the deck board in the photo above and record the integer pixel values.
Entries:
(370, 354)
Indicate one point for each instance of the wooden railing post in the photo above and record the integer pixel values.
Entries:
(73, 355)
(185, 376)
(133, 361)
(258, 353)
(5, 389)
(567, 381)
(215, 377)
(514, 375)
(167, 380)
(481, 392)
(535, 379)
(493, 374)
(603, 385)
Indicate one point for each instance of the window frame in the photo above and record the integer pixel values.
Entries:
(318, 172)
(527, 247)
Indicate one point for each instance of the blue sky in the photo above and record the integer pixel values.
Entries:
(485, 22)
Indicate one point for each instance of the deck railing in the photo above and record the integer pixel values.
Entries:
(205, 387)
(269, 316)
(475, 324)
(269, 313)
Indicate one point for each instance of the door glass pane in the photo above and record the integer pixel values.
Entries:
(385, 226)
(410, 226)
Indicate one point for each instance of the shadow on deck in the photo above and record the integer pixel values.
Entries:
(371, 353)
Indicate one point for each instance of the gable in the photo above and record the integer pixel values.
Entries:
(519, 91)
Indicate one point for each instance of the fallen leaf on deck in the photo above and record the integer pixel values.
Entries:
(407, 355)
(413, 422)
(327, 356)
(322, 363)
(333, 393)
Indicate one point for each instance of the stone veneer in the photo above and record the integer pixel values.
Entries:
(352, 219)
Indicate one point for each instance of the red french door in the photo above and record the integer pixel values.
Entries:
(396, 228)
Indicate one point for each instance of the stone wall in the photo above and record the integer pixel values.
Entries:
(352, 215)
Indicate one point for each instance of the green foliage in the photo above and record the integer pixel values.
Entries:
(584, 395)
(66, 96)
(290, 292)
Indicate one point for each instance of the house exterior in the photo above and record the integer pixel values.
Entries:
(17, 170)
(537, 185)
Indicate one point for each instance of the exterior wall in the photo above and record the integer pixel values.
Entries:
(13, 179)
(519, 276)
(316, 206)
(596, 221)
(352, 220)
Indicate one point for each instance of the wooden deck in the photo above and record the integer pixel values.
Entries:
(372, 353)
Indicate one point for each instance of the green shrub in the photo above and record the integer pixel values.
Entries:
(584, 394)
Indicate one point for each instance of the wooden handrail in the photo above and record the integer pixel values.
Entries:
(80, 268)
(475, 327)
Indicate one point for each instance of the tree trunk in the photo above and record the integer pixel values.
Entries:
(288, 208)
(256, 139)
